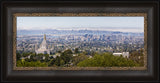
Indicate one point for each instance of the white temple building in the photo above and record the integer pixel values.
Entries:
(43, 47)
(124, 54)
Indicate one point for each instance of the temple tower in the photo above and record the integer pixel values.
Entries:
(43, 47)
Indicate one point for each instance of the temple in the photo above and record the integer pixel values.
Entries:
(43, 47)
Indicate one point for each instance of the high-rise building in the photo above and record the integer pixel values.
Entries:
(43, 47)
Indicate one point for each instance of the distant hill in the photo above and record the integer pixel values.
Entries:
(75, 32)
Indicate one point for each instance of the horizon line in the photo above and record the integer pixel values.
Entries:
(81, 29)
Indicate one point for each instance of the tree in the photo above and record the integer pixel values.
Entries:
(76, 50)
(52, 62)
(46, 57)
(138, 57)
(27, 60)
(25, 54)
(66, 56)
(77, 59)
(62, 62)
(69, 51)
(59, 51)
(93, 53)
(107, 60)
(18, 56)
(31, 57)
(57, 61)
(30, 64)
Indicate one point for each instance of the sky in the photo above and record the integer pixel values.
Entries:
(122, 24)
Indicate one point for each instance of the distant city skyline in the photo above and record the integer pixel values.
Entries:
(122, 24)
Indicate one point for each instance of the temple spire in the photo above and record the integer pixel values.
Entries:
(43, 47)
(44, 36)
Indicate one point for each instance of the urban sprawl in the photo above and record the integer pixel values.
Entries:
(88, 42)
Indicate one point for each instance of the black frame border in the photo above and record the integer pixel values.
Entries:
(8, 75)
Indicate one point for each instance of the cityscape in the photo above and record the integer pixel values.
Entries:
(79, 48)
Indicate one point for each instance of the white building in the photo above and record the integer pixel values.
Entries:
(54, 56)
(29, 56)
(43, 57)
(75, 54)
(124, 54)
(43, 47)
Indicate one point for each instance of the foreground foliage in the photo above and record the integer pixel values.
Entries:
(66, 59)
(22, 63)
(107, 60)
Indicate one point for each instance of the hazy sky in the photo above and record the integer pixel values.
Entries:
(123, 24)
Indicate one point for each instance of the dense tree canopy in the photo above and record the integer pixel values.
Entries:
(82, 59)
(79, 58)
(76, 50)
(66, 56)
(31, 64)
(107, 60)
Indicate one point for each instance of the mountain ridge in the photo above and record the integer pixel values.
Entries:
(77, 32)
